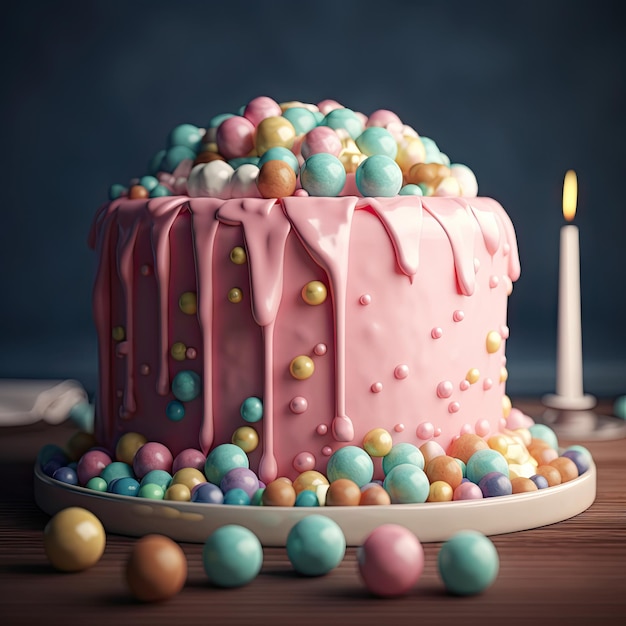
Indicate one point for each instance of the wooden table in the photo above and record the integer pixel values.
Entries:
(573, 572)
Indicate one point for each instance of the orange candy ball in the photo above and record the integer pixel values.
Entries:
(445, 468)
(465, 445)
(343, 492)
(429, 173)
(138, 191)
(279, 492)
(375, 495)
(551, 474)
(521, 484)
(276, 179)
(566, 467)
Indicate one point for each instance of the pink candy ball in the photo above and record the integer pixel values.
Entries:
(235, 137)
(189, 458)
(382, 117)
(151, 456)
(391, 560)
(259, 108)
(467, 491)
(91, 464)
(321, 139)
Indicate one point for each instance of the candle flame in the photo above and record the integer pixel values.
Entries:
(570, 195)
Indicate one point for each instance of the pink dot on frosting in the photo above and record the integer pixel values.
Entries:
(504, 332)
(482, 428)
(298, 405)
(425, 430)
(191, 353)
(365, 299)
(487, 383)
(304, 462)
(436, 333)
(376, 387)
(464, 385)
(327, 450)
(444, 389)
(144, 369)
(494, 281)
(465, 429)
(458, 316)
(320, 349)
(322, 429)
(437, 432)
(399, 428)
(401, 372)
(454, 407)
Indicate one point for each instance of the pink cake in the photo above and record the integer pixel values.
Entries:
(340, 313)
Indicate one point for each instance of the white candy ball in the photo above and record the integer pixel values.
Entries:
(243, 182)
(210, 180)
(467, 179)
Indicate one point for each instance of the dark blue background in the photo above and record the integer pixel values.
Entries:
(520, 91)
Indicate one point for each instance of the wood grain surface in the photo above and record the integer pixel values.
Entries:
(573, 572)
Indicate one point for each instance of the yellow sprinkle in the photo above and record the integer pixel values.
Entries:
(118, 333)
(314, 292)
(188, 303)
(246, 438)
(178, 351)
(494, 340)
(235, 295)
(472, 376)
(302, 367)
(238, 255)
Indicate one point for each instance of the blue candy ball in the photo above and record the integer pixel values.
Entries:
(236, 496)
(581, 460)
(403, 453)
(379, 176)
(251, 409)
(232, 556)
(116, 190)
(66, 475)
(433, 155)
(186, 386)
(278, 153)
(377, 140)
(619, 407)
(495, 484)
(186, 135)
(350, 462)
(49, 452)
(238, 161)
(301, 119)
(82, 415)
(344, 118)
(157, 477)
(174, 156)
(222, 459)
(315, 545)
(407, 484)
(207, 493)
(117, 469)
(484, 461)
(175, 411)
(540, 481)
(216, 120)
(411, 190)
(125, 486)
(160, 191)
(468, 563)
(323, 174)
(307, 498)
(545, 433)
(97, 484)
(149, 182)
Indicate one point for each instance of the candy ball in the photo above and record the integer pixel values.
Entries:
(186, 386)
(390, 561)
(74, 539)
(407, 484)
(207, 493)
(545, 433)
(468, 563)
(236, 497)
(251, 409)
(309, 480)
(321, 140)
(521, 484)
(403, 453)
(411, 190)
(186, 135)
(124, 486)
(156, 569)
(232, 556)
(260, 108)
(246, 438)
(189, 476)
(222, 459)
(279, 492)
(150, 456)
(379, 175)
(619, 407)
(302, 367)
(190, 457)
(97, 484)
(66, 475)
(210, 180)
(276, 179)
(240, 478)
(377, 140)
(566, 468)
(444, 468)
(178, 493)
(440, 491)
(174, 156)
(350, 462)
(157, 477)
(315, 545)
(322, 174)
(374, 495)
(540, 481)
(495, 484)
(307, 498)
(580, 459)
(464, 446)
(346, 119)
(467, 491)
(79, 443)
(272, 132)
(91, 464)
(550, 473)
(127, 446)
(151, 491)
(484, 461)
(279, 153)
(117, 469)
(377, 442)
(343, 492)
(301, 119)
(235, 137)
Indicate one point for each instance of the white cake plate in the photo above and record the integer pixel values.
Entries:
(431, 521)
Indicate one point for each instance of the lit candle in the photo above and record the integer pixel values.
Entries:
(569, 358)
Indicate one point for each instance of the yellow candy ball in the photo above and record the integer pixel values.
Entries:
(314, 292)
(74, 539)
(302, 367)
(188, 476)
(118, 333)
(272, 132)
(178, 493)
(127, 446)
(472, 376)
(499, 443)
(246, 438)
(235, 295)
(494, 341)
(377, 442)
(178, 351)
(410, 151)
(310, 480)
(188, 303)
(238, 255)
(440, 491)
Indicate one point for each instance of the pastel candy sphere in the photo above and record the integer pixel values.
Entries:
(390, 561)
(315, 545)
(545, 433)
(411, 190)
(321, 140)
(117, 469)
(301, 119)
(222, 459)
(74, 540)
(189, 457)
(276, 179)
(377, 140)
(149, 182)
(251, 409)
(407, 484)
(346, 119)
(240, 478)
(467, 491)
(174, 156)
(403, 453)
(232, 556)
(468, 563)
(243, 183)
(278, 153)
(467, 179)
(186, 386)
(91, 464)
(323, 175)
(210, 180)
(483, 462)
(151, 456)
(494, 484)
(157, 477)
(186, 135)
(382, 117)
(235, 137)
(207, 493)
(125, 486)
(261, 108)
(410, 151)
(379, 175)
(350, 462)
(274, 132)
